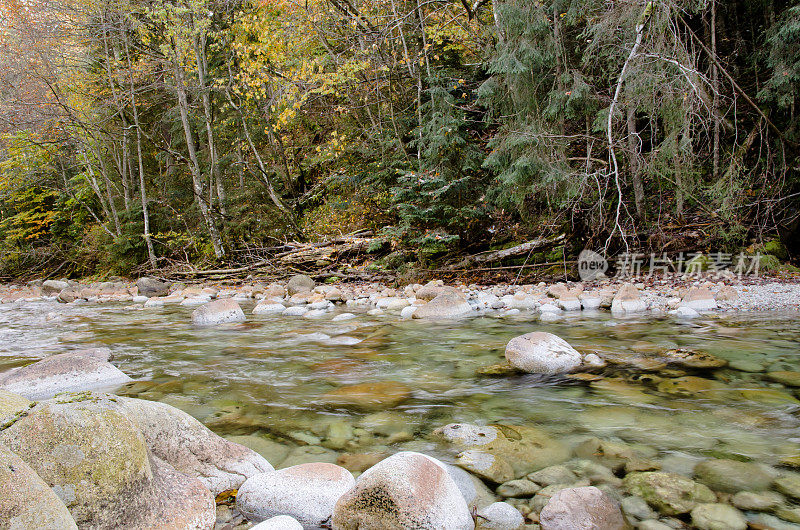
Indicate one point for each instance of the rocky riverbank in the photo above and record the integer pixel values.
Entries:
(73, 455)
(301, 296)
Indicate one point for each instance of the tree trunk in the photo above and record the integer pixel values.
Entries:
(202, 73)
(194, 166)
(715, 88)
(151, 255)
(109, 197)
(634, 164)
(640, 25)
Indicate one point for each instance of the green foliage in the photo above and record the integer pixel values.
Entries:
(436, 130)
(783, 85)
(440, 204)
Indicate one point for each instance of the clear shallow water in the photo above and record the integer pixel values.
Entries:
(266, 377)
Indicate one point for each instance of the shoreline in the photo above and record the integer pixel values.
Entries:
(681, 296)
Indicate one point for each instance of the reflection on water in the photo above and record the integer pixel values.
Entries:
(269, 377)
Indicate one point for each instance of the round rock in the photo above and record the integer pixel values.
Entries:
(307, 492)
(669, 493)
(500, 516)
(406, 490)
(716, 516)
(542, 353)
(218, 312)
(732, 476)
(299, 284)
(586, 508)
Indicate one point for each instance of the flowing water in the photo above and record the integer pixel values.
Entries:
(267, 377)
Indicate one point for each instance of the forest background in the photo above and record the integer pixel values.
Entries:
(155, 135)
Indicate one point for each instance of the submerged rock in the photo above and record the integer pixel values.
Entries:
(785, 378)
(585, 508)
(715, 516)
(368, 397)
(186, 444)
(96, 460)
(218, 312)
(789, 485)
(307, 492)
(732, 476)
(669, 493)
(543, 353)
(26, 501)
(757, 501)
(692, 359)
(64, 372)
(407, 490)
(614, 455)
(501, 453)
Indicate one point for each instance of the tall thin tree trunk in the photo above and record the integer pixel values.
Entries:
(202, 74)
(640, 25)
(109, 197)
(715, 87)
(95, 186)
(151, 255)
(633, 163)
(197, 182)
(123, 167)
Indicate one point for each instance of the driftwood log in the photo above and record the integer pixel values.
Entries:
(302, 255)
(512, 252)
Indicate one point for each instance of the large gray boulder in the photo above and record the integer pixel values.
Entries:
(70, 294)
(218, 312)
(190, 447)
(586, 508)
(95, 459)
(432, 290)
(26, 501)
(11, 405)
(628, 300)
(300, 284)
(699, 299)
(53, 287)
(150, 287)
(449, 304)
(307, 492)
(406, 490)
(65, 372)
(542, 353)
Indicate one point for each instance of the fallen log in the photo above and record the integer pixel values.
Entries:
(498, 255)
(222, 271)
(327, 252)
